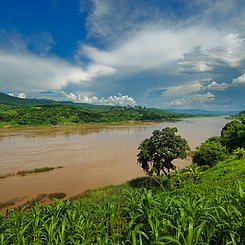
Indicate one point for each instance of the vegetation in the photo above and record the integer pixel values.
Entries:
(239, 116)
(15, 112)
(157, 153)
(36, 170)
(210, 152)
(205, 205)
(216, 149)
(209, 209)
(233, 135)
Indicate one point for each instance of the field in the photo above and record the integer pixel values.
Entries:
(205, 207)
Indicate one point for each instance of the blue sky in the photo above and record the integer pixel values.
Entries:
(161, 53)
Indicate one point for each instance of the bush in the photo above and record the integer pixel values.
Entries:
(210, 152)
(233, 135)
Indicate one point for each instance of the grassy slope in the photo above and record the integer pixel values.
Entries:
(207, 209)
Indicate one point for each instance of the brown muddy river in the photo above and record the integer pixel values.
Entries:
(90, 157)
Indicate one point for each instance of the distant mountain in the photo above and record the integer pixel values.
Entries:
(15, 101)
(203, 112)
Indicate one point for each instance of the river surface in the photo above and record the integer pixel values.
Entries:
(90, 157)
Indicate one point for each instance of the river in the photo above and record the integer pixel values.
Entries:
(91, 157)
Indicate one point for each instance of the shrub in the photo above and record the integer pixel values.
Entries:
(210, 152)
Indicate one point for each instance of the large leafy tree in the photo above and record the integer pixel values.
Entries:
(157, 152)
(233, 135)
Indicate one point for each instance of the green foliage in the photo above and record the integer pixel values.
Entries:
(233, 135)
(210, 152)
(66, 114)
(56, 195)
(157, 152)
(36, 170)
(209, 211)
(239, 153)
(240, 116)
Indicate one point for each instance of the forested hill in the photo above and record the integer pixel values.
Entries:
(15, 112)
(11, 100)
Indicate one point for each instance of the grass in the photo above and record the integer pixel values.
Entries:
(208, 207)
(42, 198)
(37, 170)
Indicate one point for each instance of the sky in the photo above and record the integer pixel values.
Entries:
(180, 54)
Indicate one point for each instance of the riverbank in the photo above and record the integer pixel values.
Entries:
(135, 210)
(82, 126)
(92, 156)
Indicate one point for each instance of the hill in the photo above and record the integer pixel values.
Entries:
(15, 101)
(16, 112)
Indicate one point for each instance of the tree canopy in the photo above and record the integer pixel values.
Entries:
(210, 152)
(157, 152)
(233, 135)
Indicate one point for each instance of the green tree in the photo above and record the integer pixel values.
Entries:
(210, 152)
(157, 152)
(233, 135)
(239, 153)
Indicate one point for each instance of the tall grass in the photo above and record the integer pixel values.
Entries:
(209, 210)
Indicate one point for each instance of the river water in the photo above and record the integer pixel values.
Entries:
(90, 157)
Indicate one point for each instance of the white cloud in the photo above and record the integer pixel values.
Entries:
(239, 80)
(34, 73)
(217, 86)
(192, 101)
(229, 51)
(120, 99)
(178, 102)
(21, 95)
(154, 46)
(185, 89)
(204, 97)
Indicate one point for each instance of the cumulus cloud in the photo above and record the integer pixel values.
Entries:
(31, 72)
(217, 86)
(193, 101)
(153, 47)
(178, 102)
(239, 80)
(229, 51)
(154, 36)
(204, 97)
(21, 95)
(120, 100)
(176, 91)
(28, 71)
